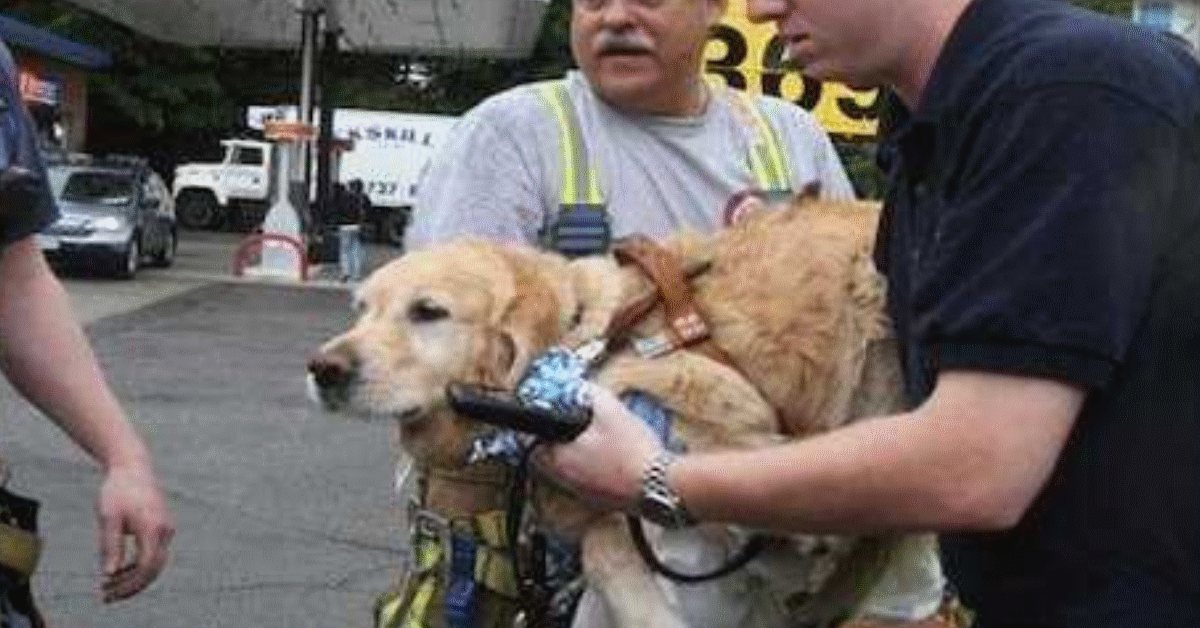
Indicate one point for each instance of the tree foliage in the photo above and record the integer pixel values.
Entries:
(1112, 7)
(167, 101)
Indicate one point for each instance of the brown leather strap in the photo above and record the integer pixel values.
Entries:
(685, 324)
(683, 319)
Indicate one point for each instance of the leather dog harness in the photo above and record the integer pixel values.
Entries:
(686, 325)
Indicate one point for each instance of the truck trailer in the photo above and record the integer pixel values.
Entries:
(389, 151)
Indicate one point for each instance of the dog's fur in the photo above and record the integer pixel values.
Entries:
(792, 295)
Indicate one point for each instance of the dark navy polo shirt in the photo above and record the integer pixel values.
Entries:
(26, 204)
(1044, 220)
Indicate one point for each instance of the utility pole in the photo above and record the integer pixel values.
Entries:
(328, 77)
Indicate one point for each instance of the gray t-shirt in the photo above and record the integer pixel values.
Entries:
(499, 174)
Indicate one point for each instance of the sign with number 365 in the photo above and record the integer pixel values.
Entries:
(747, 56)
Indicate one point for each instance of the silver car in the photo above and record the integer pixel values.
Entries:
(115, 214)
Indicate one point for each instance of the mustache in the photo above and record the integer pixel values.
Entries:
(610, 42)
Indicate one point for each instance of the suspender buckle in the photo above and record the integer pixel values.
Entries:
(580, 229)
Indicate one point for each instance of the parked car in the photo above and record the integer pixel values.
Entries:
(116, 214)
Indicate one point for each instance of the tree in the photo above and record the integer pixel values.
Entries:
(165, 101)
(157, 100)
(451, 84)
(1112, 7)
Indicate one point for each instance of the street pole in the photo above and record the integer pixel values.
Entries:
(327, 73)
(301, 177)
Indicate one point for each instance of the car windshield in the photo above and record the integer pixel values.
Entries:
(107, 188)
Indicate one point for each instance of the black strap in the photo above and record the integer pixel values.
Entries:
(749, 551)
(532, 593)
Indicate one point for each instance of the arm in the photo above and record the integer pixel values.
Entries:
(974, 456)
(45, 355)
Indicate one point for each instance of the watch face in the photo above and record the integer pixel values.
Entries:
(654, 509)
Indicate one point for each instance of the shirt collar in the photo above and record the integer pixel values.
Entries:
(980, 19)
(912, 131)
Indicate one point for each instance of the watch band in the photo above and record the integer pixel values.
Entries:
(659, 502)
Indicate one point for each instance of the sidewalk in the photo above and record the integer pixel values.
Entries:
(286, 516)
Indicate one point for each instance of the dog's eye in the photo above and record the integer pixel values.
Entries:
(426, 311)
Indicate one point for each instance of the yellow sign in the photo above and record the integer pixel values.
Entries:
(747, 56)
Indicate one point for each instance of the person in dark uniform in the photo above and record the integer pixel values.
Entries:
(1041, 244)
(46, 357)
(353, 206)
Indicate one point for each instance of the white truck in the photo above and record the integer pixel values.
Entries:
(390, 151)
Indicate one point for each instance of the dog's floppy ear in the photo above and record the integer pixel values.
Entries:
(743, 205)
(497, 360)
(529, 316)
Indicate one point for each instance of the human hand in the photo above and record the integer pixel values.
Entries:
(605, 463)
(131, 504)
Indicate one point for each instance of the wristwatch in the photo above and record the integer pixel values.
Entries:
(658, 503)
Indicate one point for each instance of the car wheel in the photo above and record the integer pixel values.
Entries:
(166, 256)
(127, 264)
(196, 210)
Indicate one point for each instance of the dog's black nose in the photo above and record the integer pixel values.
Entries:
(330, 371)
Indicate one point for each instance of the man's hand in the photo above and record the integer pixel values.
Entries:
(605, 463)
(131, 504)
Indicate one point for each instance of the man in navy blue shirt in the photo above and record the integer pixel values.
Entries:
(1041, 240)
(46, 357)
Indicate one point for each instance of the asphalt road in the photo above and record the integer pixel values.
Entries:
(286, 516)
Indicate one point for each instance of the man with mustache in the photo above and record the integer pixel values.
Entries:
(665, 148)
(1041, 241)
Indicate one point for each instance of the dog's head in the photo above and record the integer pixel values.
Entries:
(468, 311)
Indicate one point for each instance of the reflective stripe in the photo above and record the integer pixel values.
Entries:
(580, 184)
(389, 609)
(493, 563)
(767, 159)
(415, 618)
(429, 554)
(576, 231)
(19, 550)
(494, 570)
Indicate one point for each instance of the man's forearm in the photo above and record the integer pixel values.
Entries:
(869, 477)
(46, 356)
(974, 456)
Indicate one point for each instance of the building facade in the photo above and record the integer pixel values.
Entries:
(53, 73)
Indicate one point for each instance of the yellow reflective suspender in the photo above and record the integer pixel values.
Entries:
(582, 225)
(421, 601)
(768, 161)
(580, 185)
(20, 548)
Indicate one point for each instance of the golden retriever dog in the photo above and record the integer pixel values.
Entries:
(791, 295)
